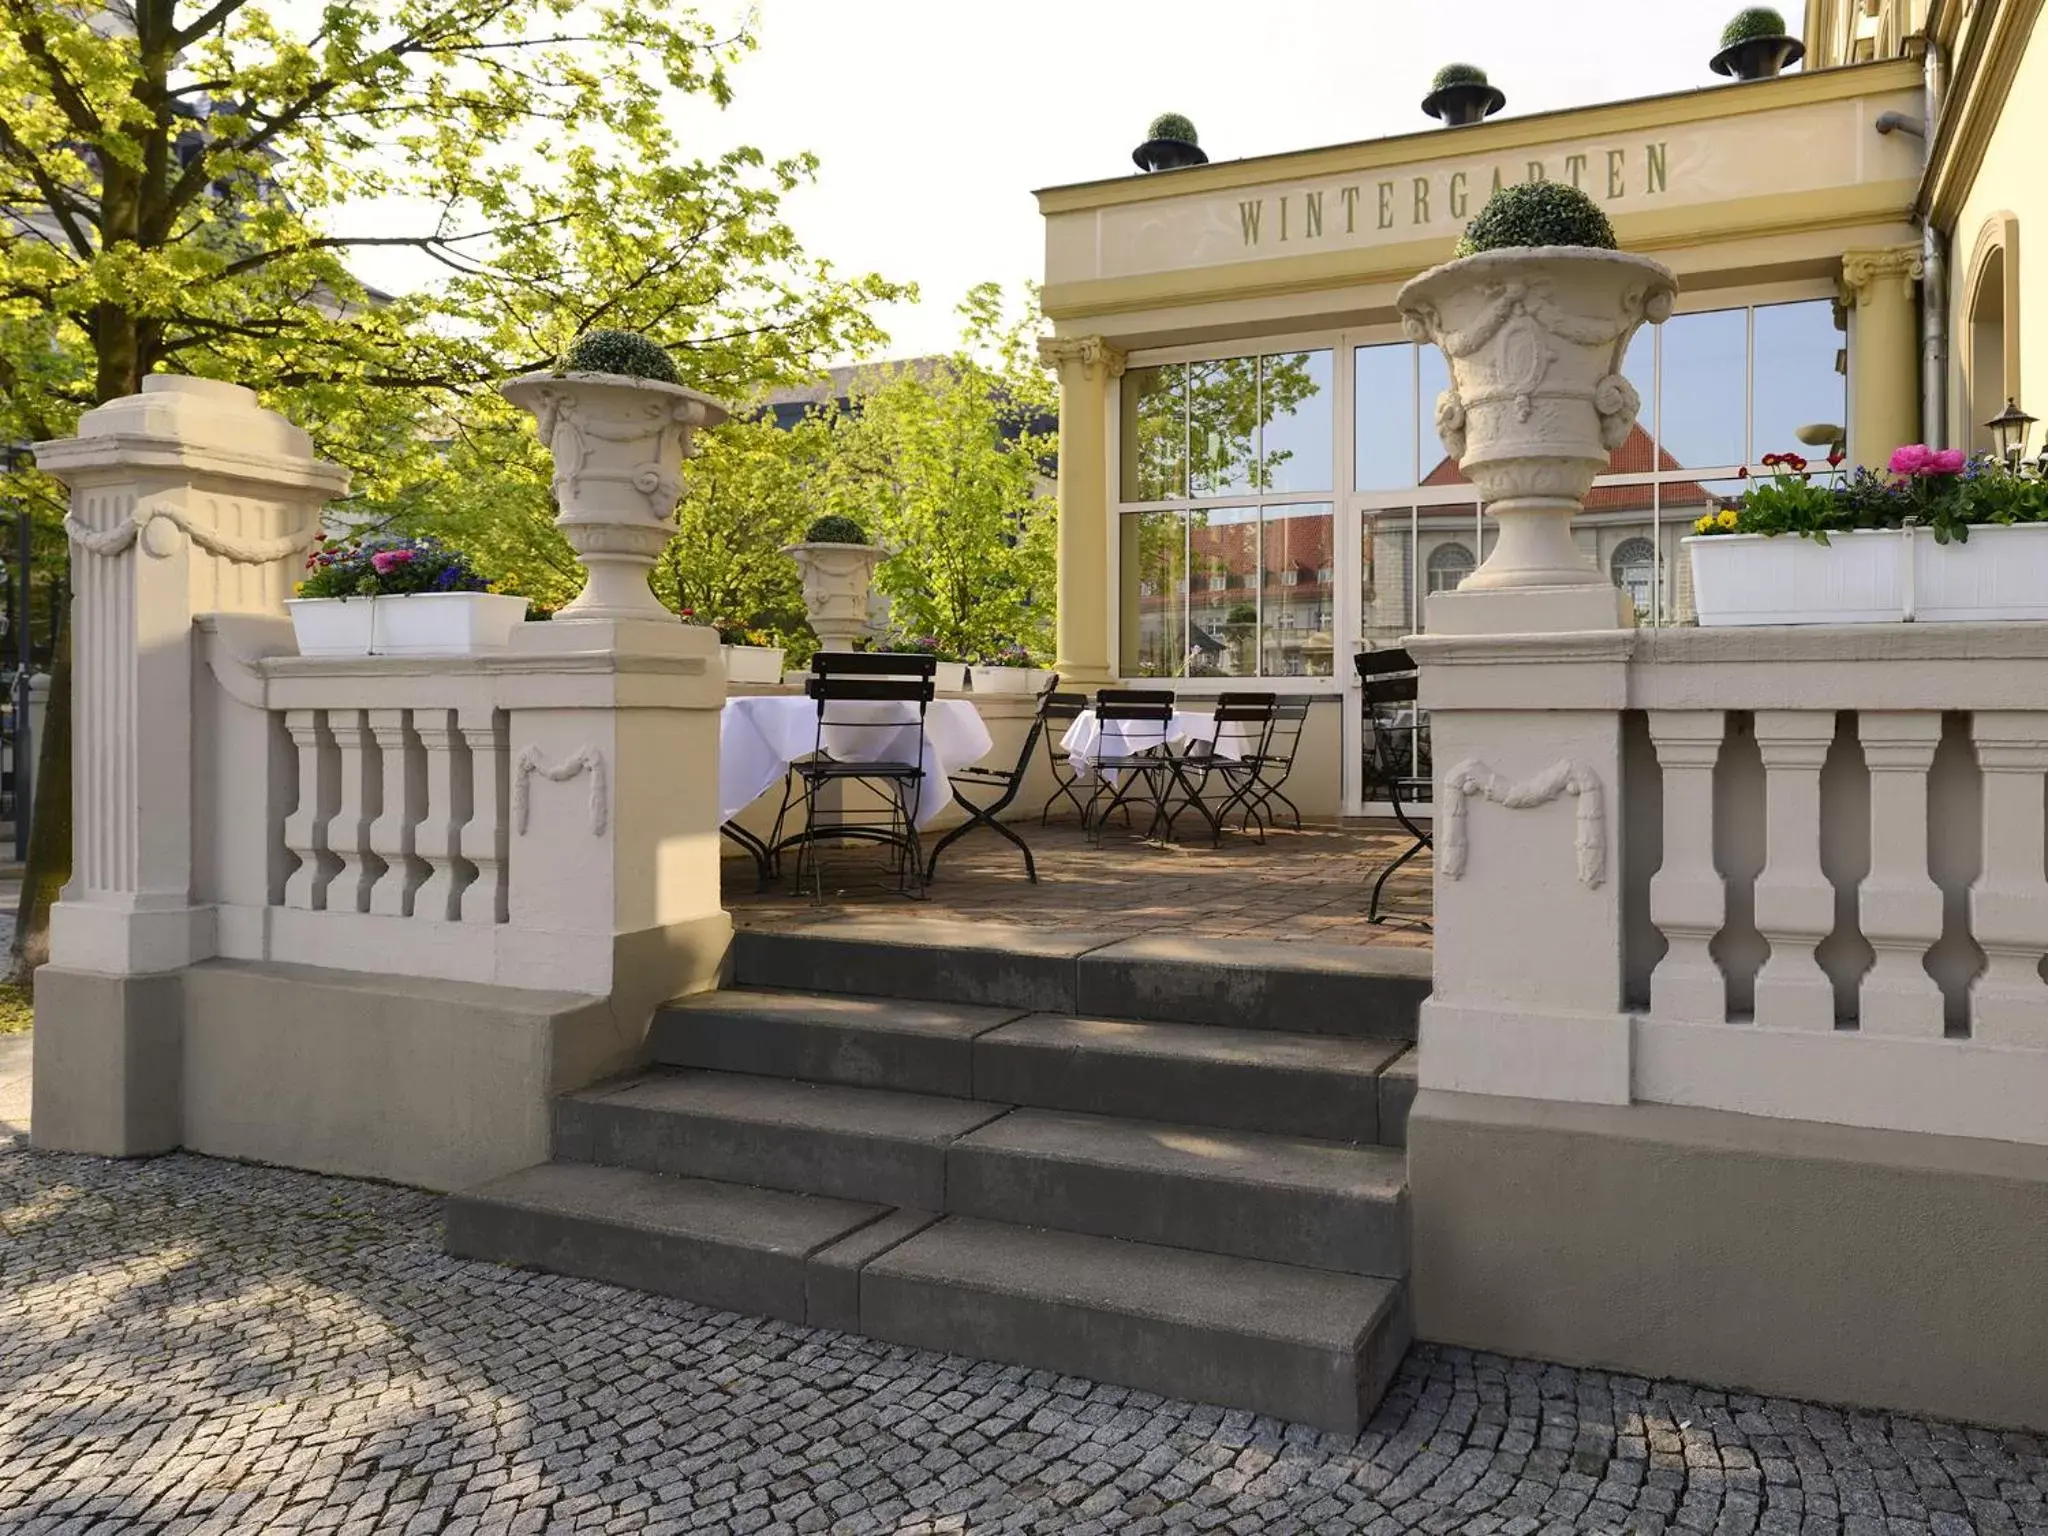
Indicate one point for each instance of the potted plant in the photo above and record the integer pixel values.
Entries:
(398, 597)
(951, 676)
(1936, 537)
(1008, 669)
(1459, 95)
(838, 565)
(619, 425)
(1534, 315)
(751, 655)
(1754, 46)
(1170, 144)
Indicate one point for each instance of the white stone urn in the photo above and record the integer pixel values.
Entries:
(836, 581)
(619, 445)
(1535, 338)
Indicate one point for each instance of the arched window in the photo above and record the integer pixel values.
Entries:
(1634, 566)
(1991, 361)
(1449, 564)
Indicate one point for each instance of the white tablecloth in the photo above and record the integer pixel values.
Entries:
(760, 735)
(1088, 738)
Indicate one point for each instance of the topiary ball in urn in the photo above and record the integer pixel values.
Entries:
(1170, 144)
(835, 528)
(1460, 95)
(624, 353)
(1755, 46)
(837, 564)
(1534, 315)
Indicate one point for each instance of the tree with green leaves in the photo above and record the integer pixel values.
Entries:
(948, 466)
(183, 184)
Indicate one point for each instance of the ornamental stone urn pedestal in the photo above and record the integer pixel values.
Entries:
(618, 444)
(1535, 338)
(836, 581)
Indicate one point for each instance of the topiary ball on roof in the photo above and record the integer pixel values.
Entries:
(1537, 213)
(1748, 25)
(835, 529)
(621, 352)
(1460, 95)
(1171, 125)
(1457, 74)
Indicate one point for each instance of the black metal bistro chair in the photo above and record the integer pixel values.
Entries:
(1144, 717)
(1256, 781)
(847, 687)
(1243, 718)
(1059, 711)
(1397, 760)
(1003, 783)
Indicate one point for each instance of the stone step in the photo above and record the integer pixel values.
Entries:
(1327, 989)
(1197, 1074)
(1314, 1204)
(809, 1138)
(1301, 1344)
(1194, 1074)
(864, 1042)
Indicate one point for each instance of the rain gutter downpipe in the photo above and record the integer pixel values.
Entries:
(1934, 337)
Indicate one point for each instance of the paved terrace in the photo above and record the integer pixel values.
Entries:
(194, 1346)
(1307, 887)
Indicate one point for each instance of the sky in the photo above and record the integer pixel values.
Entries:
(935, 120)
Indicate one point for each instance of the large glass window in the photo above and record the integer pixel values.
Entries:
(1227, 531)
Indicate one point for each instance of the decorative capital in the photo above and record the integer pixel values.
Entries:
(1863, 270)
(1086, 353)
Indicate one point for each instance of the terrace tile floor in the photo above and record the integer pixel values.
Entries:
(1309, 886)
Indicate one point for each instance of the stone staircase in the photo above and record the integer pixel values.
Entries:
(1172, 1164)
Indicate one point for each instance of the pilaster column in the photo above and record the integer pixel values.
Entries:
(1882, 288)
(1088, 366)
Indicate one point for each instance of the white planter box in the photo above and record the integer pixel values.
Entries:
(1874, 577)
(415, 624)
(1008, 679)
(951, 677)
(753, 663)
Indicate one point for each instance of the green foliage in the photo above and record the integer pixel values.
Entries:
(1537, 213)
(1243, 613)
(833, 528)
(1457, 74)
(948, 468)
(621, 352)
(387, 568)
(1749, 24)
(1171, 125)
(1985, 491)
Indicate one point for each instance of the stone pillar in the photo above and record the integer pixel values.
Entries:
(1088, 366)
(1526, 739)
(187, 498)
(1881, 287)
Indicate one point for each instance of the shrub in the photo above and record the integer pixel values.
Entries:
(1171, 125)
(1457, 74)
(1748, 25)
(835, 529)
(1243, 613)
(387, 568)
(1537, 213)
(621, 352)
(1011, 655)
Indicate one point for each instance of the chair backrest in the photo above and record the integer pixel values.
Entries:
(1062, 706)
(873, 664)
(1247, 718)
(1289, 716)
(1155, 704)
(1388, 677)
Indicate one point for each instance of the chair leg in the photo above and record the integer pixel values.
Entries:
(1372, 911)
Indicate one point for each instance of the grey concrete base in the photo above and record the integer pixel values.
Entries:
(434, 1083)
(1876, 1268)
(747, 1250)
(985, 964)
(1321, 989)
(109, 1063)
(1297, 1343)
(1397, 1098)
(832, 1279)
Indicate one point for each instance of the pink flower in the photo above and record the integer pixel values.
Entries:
(1911, 459)
(384, 560)
(1948, 461)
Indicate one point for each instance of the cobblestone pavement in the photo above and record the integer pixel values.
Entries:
(188, 1345)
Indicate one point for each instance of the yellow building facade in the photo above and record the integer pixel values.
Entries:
(1251, 485)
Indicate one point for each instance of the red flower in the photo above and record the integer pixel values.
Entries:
(1835, 457)
(1792, 459)
(1742, 473)
(1771, 460)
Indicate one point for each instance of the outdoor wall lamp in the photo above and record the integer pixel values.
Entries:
(2009, 429)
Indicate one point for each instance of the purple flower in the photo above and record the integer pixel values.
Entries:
(386, 560)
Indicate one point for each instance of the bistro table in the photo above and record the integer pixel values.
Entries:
(1088, 738)
(760, 735)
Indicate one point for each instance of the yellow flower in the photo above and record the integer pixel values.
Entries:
(1727, 519)
(1704, 524)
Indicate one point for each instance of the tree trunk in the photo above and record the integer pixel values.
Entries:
(49, 846)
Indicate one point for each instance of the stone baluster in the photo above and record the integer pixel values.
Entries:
(348, 831)
(1688, 900)
(438, 838)
(1795, 904)
(2009, 901)
(391, 834)
(305, 829)
(485, 835)
(1899, 906)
